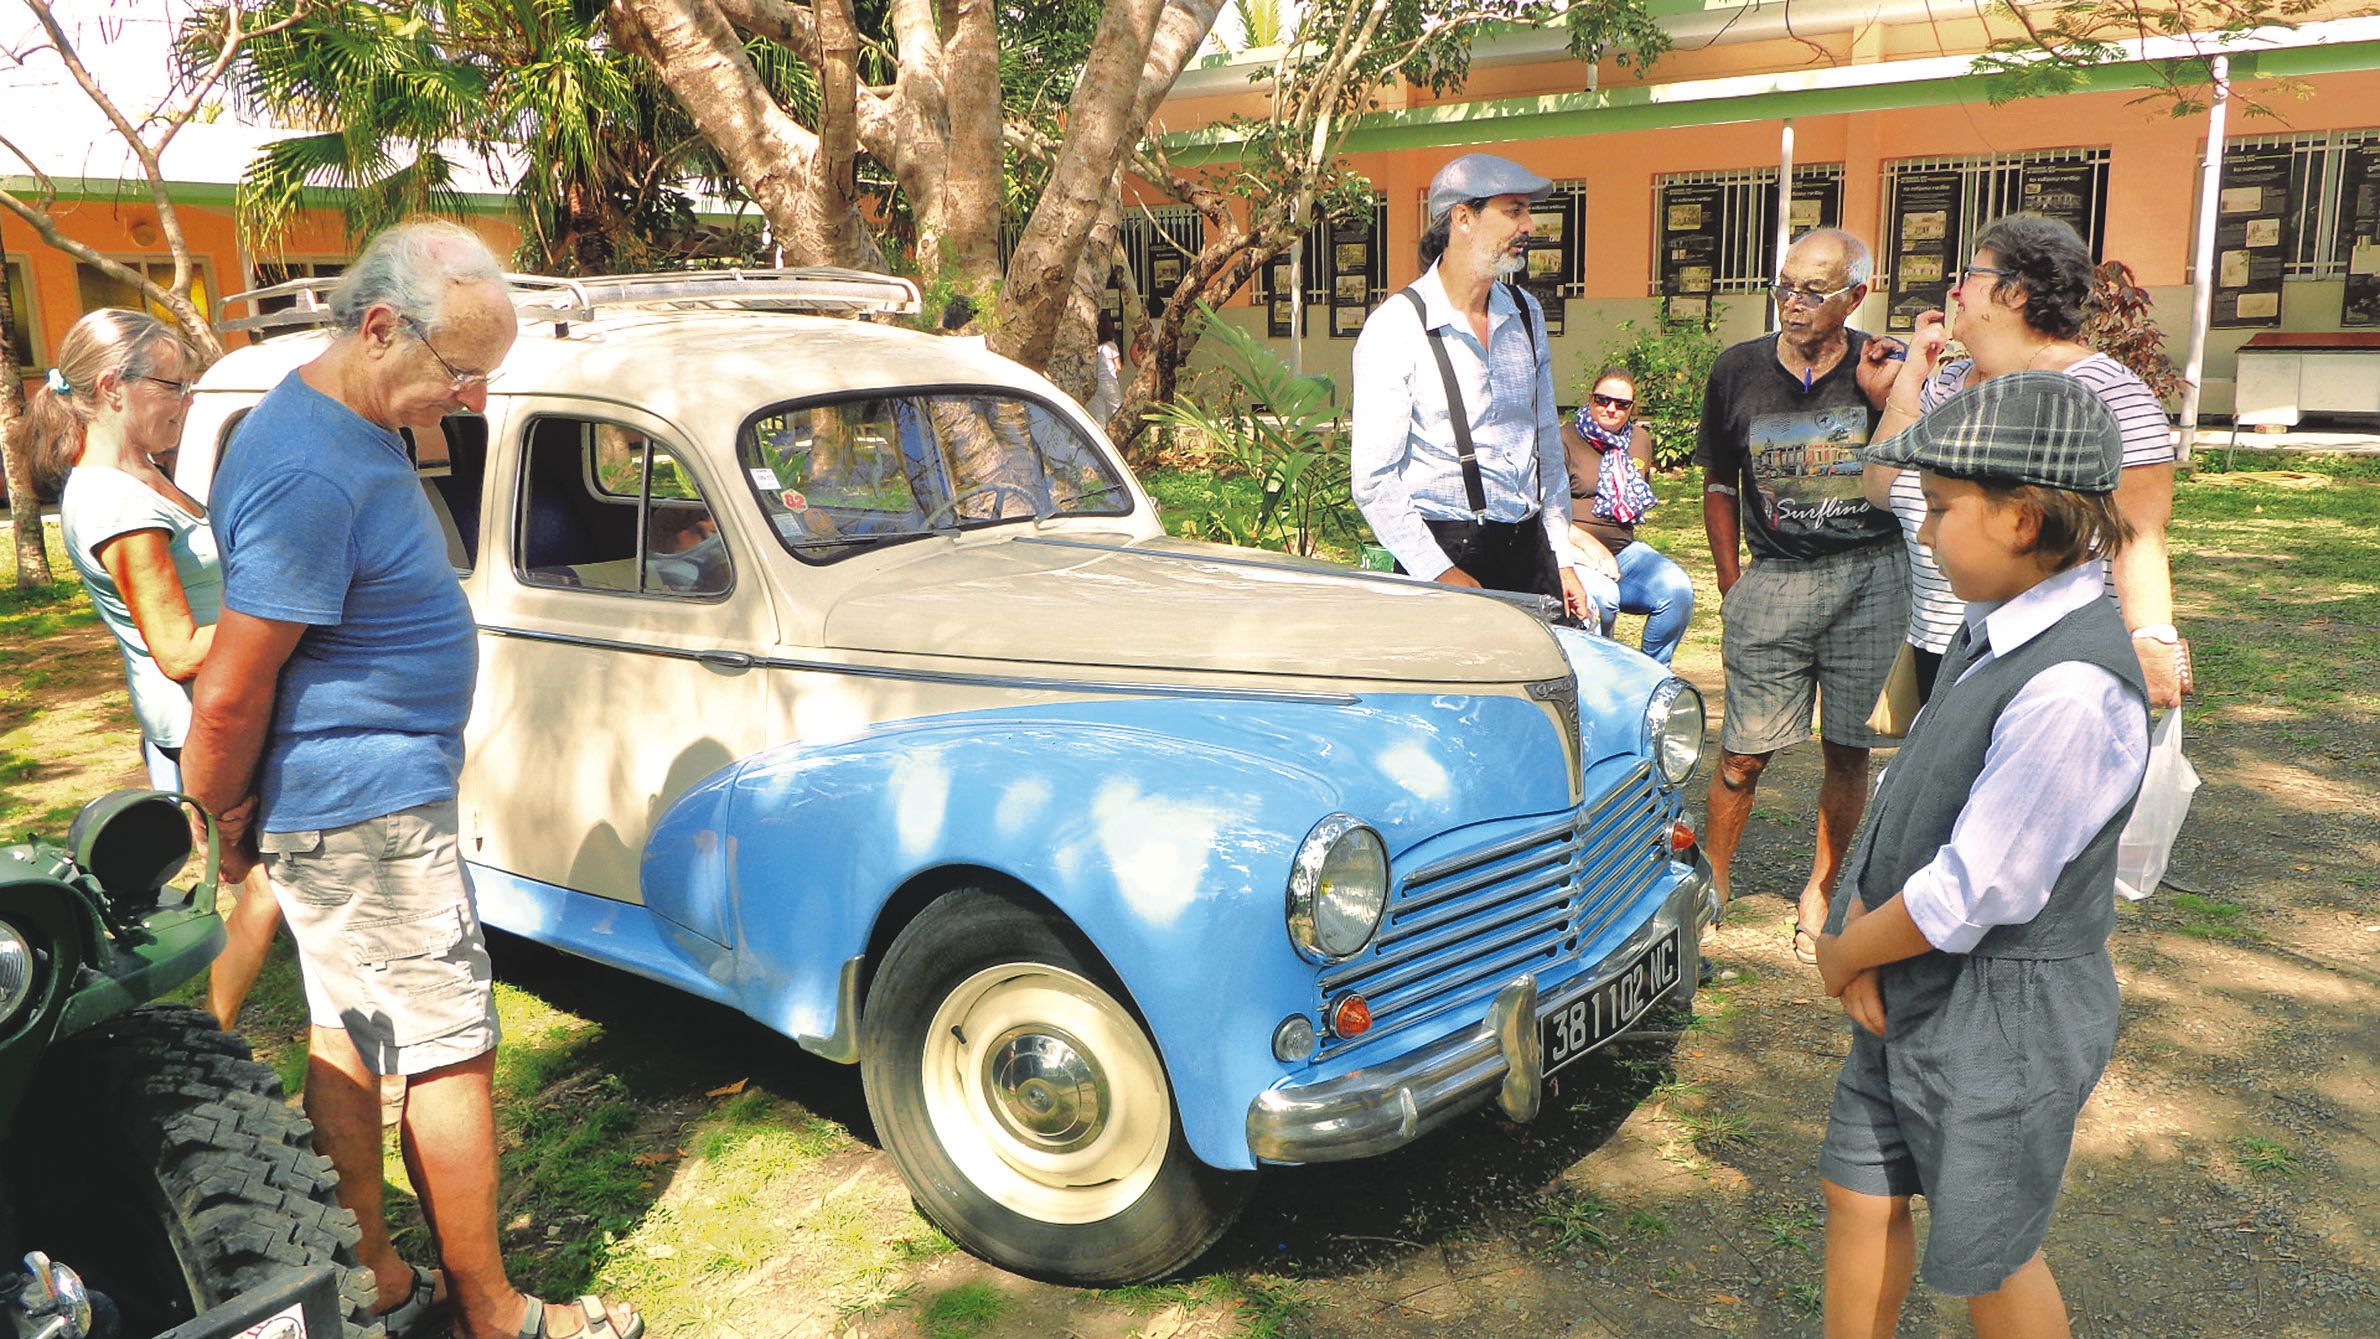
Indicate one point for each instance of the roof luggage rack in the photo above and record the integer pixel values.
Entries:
(817, 288)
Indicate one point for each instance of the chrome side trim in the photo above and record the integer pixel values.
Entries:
(1030, 683)
(1369, 1111)
(841, 1046)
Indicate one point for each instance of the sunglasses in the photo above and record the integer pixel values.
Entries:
(1603, 401)
(185, 389)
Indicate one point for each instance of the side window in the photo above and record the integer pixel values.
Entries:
(453, 466)
(605, 507)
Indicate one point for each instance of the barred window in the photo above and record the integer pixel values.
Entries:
(1158, 242)
(1716, 232)
(1934, 207)
(2321, 216)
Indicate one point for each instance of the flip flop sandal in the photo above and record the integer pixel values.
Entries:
(1808, 956)
(599, 1321)
(411, 1318)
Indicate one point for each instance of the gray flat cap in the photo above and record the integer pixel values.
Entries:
(2023, 428)
(1481, 176)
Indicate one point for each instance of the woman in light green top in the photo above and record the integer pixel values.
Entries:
(114, 399)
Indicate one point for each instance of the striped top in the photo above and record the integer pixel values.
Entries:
(1934, 612)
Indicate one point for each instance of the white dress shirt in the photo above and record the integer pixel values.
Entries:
(1403, 451)
(2066, 754)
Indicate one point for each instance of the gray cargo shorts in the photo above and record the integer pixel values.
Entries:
(388, 937)
(1800, 630)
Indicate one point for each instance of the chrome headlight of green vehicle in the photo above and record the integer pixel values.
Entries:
(1338, 886)
(17, 973)
(1674, 727)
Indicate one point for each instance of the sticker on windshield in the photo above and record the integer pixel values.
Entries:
(793, 500)
(763, 478)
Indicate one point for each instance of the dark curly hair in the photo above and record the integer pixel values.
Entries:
(1440, 231)
(2053, 270)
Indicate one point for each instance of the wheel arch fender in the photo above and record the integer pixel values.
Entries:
(1169, 856)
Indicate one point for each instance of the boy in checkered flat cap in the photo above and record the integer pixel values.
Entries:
(1973, 958)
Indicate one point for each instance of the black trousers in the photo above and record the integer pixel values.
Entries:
(1500, 555)
(1929, 664)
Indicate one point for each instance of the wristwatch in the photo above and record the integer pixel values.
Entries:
(2159, 632)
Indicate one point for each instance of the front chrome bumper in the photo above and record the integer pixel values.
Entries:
(1372, 1110)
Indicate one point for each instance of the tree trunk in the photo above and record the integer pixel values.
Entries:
(972, 199)
(1098, 124)
(699, 57)
(835, 183)
(24, 508)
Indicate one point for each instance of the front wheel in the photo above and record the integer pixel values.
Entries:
(1025, 1104)
(158, 1160)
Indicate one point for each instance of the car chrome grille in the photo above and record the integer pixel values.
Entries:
(1459, 927)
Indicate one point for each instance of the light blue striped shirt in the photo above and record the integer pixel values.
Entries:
(1403, 452)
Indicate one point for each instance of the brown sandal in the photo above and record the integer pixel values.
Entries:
(599, 1321)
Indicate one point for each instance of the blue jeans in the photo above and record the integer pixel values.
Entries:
(1649, 584)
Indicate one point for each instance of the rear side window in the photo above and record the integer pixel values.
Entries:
(845, 475)
(606, 508)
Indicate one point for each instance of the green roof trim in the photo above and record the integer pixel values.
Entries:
(1680, 105)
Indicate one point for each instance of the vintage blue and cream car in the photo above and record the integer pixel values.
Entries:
(843, 675)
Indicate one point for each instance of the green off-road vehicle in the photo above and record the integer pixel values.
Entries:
(153, 1181)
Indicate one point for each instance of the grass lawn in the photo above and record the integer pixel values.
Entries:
(675, 1153)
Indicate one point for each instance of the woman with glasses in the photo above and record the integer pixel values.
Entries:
(114, 401)
(1610, 455)
(2020, 304)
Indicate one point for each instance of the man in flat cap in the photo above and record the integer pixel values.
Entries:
(1457, 450)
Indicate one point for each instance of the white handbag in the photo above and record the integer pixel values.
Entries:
(2147, 842)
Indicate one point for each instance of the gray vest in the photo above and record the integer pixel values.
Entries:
(1926, 787)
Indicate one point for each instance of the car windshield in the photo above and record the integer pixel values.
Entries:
(839, 477)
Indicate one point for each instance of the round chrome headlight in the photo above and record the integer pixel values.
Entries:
(17, 973)
(1674, 730)
(1338, 886)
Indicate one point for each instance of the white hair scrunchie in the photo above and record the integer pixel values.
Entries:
(59, 383)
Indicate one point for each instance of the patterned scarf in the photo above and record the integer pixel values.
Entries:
(1621, 494)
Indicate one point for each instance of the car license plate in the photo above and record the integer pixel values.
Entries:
(1593, 1018)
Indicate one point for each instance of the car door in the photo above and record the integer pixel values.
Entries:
(618, 630)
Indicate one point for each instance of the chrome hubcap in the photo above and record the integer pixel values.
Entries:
(1045, 1089)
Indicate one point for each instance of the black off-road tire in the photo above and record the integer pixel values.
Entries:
(159, 1160)
(1184, 1209)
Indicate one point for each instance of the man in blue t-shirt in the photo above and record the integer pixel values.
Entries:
(336, 694)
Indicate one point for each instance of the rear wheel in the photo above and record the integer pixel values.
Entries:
(158, 1160)
(1025, 1103)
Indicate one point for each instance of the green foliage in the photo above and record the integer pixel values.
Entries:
(1292, 449)
(2122, 324)
(2057, 47)
(605, 152)
(1671, 361)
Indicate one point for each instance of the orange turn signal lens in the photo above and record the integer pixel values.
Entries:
(1681, 837)
(1350, 1017)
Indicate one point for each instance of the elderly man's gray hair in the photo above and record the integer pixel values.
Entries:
(413, 267)
(1859, 263)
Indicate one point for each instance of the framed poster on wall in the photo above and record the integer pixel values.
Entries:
(1689, 242)
(2253, 211)
(1925, 238)
(2359, 231)
(1351, 252)
(2067, 192)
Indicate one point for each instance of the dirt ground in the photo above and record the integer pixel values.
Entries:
(2226, 1178)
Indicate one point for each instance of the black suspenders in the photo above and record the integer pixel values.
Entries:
(1457, 413)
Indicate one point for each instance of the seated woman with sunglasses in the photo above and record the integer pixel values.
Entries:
(113, 402)
(1610, 454)
(2020, 306)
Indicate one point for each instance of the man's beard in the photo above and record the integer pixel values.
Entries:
(1509, 266)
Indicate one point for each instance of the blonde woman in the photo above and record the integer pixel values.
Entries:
(114, 399)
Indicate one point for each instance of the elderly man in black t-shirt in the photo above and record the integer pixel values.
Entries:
(1821, 609)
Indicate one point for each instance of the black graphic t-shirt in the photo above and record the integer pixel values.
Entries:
(1793, 452)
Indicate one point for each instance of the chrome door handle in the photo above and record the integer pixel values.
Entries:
(724, 660)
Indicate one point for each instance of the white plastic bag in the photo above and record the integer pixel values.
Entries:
(2147, 843)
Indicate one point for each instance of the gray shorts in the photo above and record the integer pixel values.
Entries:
(1970, 1099)
(1795, 631)
(388, 937)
